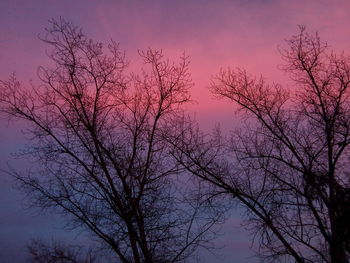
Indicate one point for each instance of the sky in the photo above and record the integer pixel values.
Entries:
(215, 34)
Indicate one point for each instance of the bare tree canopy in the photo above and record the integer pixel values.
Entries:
(288, 164)
(57, 252)
(98, 137)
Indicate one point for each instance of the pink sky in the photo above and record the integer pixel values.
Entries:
(215, 34)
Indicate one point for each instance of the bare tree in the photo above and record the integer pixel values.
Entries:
(288, 164)
(57, 252)
(98, 137)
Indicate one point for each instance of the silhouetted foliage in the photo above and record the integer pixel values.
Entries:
(288, 164)
(98, 136)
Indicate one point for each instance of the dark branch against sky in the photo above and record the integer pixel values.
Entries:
(214, 33)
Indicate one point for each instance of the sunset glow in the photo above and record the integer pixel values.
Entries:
(214, 34)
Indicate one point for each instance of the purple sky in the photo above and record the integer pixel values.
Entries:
(215, 34)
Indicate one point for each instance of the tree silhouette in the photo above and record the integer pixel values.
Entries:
(288, 163)
(57, 252)
(98, 135)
